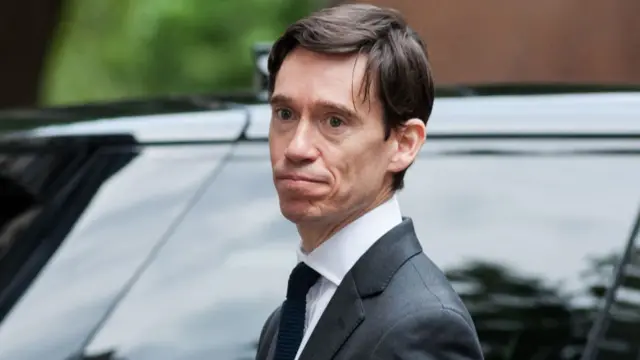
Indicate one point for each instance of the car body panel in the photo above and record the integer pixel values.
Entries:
(223, 271)
(212, 125)
(517, 224)
(560, 114)
(601, 113)
(109, 243)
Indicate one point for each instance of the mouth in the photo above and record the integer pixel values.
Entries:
(293, 186)
(299, 178)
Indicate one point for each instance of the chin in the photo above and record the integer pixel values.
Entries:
(298, 211)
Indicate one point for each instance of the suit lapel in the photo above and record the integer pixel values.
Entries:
(343, 315)
(272, 347)
(375, 269)
(369, 276)
(268, 350)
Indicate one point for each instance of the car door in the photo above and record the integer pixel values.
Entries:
(95, 240)
(209, 289)
(529, 232)
(528, 229)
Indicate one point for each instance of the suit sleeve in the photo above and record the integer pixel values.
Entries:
(433, 335)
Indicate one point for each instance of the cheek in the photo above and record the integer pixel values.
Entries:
(353, 167)
(276, 148)
(370, 166)
(272, 153)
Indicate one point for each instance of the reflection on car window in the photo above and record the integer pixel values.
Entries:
(213, 285)
(45, 183)
(18, 211)
(516, 235)
(617, 324)
(26, 179)
(113, 236)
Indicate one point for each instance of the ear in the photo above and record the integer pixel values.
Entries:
(408, 139)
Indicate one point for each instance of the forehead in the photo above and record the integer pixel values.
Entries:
(308, 76)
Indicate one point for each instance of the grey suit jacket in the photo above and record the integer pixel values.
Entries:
(393, 304)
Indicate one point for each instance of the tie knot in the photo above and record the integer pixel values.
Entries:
(301, 280)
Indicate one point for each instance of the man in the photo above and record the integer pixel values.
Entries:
(351, 92)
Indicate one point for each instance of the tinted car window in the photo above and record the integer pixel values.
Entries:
(46, 182)
(617, 324)
(115, 234)
(213, 284)
(21, 177)
(515, 234)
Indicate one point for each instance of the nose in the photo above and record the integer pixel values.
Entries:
(301, 148)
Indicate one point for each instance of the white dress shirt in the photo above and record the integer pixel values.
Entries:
(337, 255)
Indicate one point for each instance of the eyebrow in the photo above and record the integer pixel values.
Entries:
(279, 99)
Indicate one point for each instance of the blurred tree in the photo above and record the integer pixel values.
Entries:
(114, 49)
(26, 29)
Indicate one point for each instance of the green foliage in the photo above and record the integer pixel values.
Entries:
(131, 48)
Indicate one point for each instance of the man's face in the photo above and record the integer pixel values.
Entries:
(328, 152)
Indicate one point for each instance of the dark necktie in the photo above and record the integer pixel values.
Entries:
(293, 312)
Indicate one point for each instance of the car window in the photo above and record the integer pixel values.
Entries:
(518, 235)
(614, 333)
(117, 230)
(192, 302)
(21, 177)
(45, 183)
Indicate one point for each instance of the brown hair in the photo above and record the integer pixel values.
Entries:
(396, 58)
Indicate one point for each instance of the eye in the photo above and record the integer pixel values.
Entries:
(284, 113)
(335, 122)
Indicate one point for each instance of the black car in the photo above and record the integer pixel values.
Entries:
(151, 230)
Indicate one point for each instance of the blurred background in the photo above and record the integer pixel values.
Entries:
(536, 230)
(58, 52)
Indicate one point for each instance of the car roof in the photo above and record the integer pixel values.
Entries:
(559, 114)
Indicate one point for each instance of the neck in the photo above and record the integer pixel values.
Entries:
(313, 234)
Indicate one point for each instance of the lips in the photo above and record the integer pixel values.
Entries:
(299, 177)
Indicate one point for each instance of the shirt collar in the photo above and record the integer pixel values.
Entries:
(337, 255)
